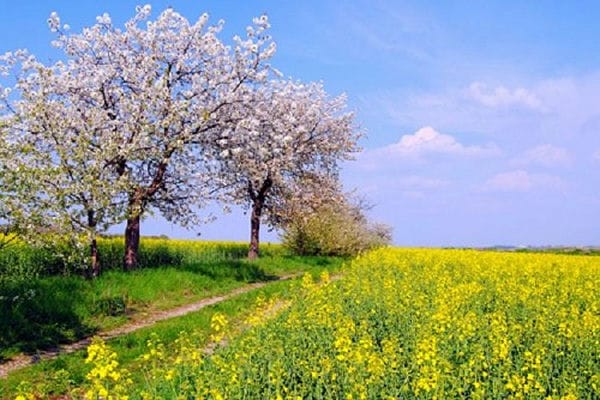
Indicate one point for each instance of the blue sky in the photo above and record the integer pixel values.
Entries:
(482, 118)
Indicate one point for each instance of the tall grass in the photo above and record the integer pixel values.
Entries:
(20, 260)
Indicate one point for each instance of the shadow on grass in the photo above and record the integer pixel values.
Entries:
(239, 270)
(317, 261)
(40, 314)
(263, 269)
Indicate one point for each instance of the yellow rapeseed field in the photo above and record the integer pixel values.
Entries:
(401, 323)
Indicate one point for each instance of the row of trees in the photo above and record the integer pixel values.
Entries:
(161, 115)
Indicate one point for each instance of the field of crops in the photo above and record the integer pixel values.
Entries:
(430, 324)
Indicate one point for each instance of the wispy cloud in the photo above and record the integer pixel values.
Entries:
(545, 155)
(415, 182)
(545, 110)
(522, 181)
(386, 184)
(417, 187)
(501, 96)
(373, 27)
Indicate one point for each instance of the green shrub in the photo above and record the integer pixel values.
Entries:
(334, 229)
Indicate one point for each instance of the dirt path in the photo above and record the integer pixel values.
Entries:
(23, 360)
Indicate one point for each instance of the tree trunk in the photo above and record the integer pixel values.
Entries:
(258, 202)
(138, 199)
(94, 258)
(132, 243)
(257, 206)
(94, 254)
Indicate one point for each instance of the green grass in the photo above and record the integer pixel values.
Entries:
(41, 312)
(45, 302)
(67, 371)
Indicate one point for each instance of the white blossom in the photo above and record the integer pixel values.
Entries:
(54, 21)
(124, 125)
(104, 19)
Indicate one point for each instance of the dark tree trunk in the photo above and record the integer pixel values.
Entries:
(254, 252)
(258, 202)
(94, 254)
(132, 243)
(137, 202)
(94, 258)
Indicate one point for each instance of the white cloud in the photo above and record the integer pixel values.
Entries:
(501, 96)
(429, 141)
(522, 181)
(545, 155)
(596, 155)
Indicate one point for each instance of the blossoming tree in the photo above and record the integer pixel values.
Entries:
(292, 131)
(56, 150)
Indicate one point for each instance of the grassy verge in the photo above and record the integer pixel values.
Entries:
(40, 313)
(59, 376)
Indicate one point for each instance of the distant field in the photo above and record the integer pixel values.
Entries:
(567, 250)
(400, 323)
